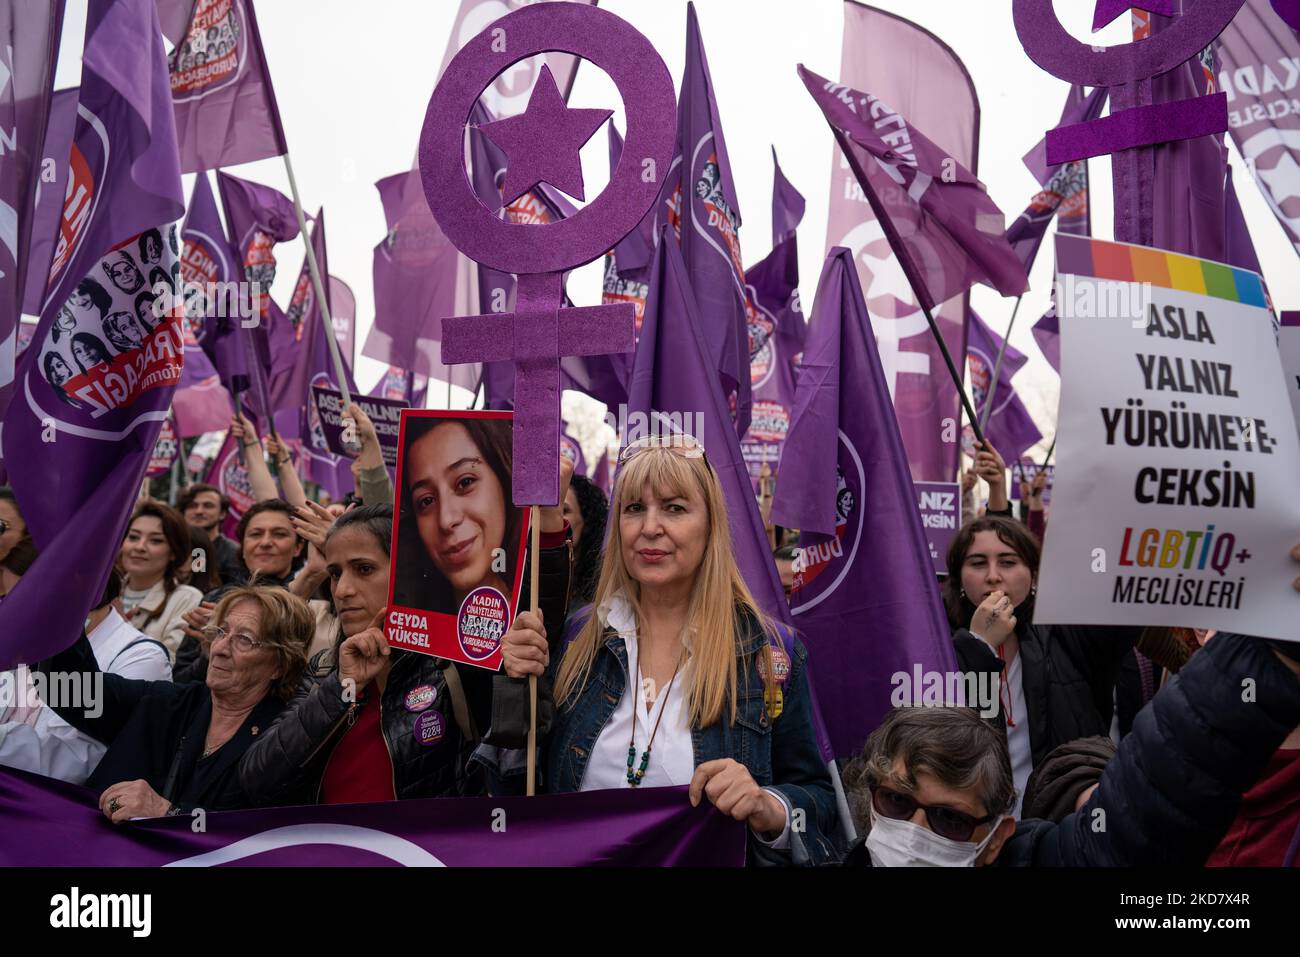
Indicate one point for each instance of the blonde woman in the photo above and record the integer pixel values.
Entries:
(674, 676)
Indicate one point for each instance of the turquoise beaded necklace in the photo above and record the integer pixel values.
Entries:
(634, 775)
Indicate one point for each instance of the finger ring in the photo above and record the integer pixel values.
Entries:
(114, 805)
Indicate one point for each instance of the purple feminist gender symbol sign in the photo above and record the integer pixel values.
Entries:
(1136, 122)
(542, 145)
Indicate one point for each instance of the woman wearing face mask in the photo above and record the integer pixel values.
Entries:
(155, 560)
(1055, 682)
(674, 676)
(408, 723)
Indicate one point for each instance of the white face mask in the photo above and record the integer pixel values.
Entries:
(904, 844)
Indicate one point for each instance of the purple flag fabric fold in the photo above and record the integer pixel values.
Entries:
(1009, 425)
(787, 204)
(60, 825)
(672, 383)
(1238, 247)
(225, 105)
(865, 596)
(104, 361)
(49, 198)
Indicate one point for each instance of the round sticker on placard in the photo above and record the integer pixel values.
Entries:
(419, 698)
(428, 728)
(482, 622)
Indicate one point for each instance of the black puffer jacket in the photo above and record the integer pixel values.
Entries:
(287, 764)
(1173, 789)
(1068, 673)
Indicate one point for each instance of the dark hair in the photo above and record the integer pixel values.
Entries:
(268, 505)
(112, 589)
(210, 578)
(595, 512)
(427, 587)
(377, 519)
(157, 237)
(192, 491)
(177, 534)
(98, 296)
(45, 362)
(955, 745)
(1011, 533)
(21, 557)
(89, 341)
(159, 275)
(149, 300)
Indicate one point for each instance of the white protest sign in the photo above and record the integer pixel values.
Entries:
(1176, 498)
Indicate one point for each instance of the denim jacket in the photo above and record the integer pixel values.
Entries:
(781, 754)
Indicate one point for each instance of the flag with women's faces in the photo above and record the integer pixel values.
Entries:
(96, 383)
(865, 598)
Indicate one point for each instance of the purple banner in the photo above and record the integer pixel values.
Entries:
(940, 506)
(385, 414)
(164, 452)
(54, 824)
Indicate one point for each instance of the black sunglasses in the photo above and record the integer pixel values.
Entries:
(944, 821)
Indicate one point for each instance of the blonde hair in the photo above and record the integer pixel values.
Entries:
(718, 598)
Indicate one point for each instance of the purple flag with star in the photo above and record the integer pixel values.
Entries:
(865, 598)
(31, 35)
(1009, 426)
(414, 285)
(699, 202)
(225, 105)
(672, 384)
(1257, 60)
(95, 385)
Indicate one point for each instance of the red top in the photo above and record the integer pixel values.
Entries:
(1269, 816)
(360, 770)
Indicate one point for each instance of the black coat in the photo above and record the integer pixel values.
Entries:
(155, 730)
(1068, 673)
(1174, 787)
(288, 764)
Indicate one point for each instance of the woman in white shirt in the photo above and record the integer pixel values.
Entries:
(155, 558)
(677, 678)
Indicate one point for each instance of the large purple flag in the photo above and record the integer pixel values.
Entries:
(295, 411)
(225, 106)
(673, 387)
(49, 197)
(415, 286)
(865, 597)
(1237, 247)
(916, 72)
(95, 385)
(54, 824)
(1258, 54)
(699, 201)
(30, 35)
(1009, 426)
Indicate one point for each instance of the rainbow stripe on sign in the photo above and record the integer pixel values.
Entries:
(1122, 262)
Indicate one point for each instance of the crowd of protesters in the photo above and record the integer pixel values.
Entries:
(254, 671)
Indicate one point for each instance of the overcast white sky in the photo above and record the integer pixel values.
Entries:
(353, 80)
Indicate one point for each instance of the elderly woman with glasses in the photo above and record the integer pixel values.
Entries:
(674, 676)
(173, 748)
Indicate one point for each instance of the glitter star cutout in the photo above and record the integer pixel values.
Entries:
(542, 143)
(1108, 10)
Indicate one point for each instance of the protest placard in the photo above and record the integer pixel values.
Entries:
(458, 541)
(385, 414)
(940, 507)
(1178, 501)
(165, 450)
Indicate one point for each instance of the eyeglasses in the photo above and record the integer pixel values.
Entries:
(241, 642)
(679, 443)
(945, 821)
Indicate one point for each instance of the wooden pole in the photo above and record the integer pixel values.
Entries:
(533, 560)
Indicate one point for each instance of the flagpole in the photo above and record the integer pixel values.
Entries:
(534, 556)
(1050, 449)
(319, 286)
(997, 366)
(913, 281)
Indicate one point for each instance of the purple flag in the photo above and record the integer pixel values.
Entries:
(343, 313)
(1009, 425)
(627, 263)
(30, 34)
(100, 372)
(257, 217)
(60, 825)
(571, 449)
(923, 78)
(229, 473)
(1080, 107)
(672, 385)
(49, 198)
(602, 476)
(787, 204)
(865, 596)
(397, 383)
(1258, 56)
(295, 411)
(1238, 247)
(1188, 200)
(225, 106)
(699, 202)
(415, 286)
